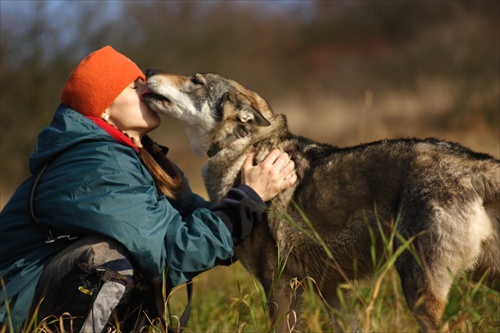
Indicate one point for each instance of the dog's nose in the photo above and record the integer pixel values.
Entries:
(151, 72)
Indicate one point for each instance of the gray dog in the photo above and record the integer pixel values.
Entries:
(440, 197)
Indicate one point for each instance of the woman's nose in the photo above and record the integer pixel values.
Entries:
(141, 86)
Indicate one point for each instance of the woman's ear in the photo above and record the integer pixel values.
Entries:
(105, 116)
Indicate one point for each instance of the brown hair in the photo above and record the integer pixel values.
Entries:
(166, 176)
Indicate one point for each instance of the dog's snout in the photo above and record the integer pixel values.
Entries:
(151, 72)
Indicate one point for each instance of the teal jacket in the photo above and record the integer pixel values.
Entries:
(94, 184)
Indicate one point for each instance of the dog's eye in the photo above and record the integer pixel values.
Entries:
(197, 80)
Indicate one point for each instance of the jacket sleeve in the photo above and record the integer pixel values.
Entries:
(189, 249)
(239, 210)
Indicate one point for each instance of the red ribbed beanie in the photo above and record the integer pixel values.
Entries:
(97, 80)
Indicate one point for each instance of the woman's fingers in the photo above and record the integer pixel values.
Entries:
(274, 174)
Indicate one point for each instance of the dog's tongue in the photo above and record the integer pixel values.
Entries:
(145, 93)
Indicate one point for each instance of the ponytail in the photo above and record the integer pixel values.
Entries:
(166, 176)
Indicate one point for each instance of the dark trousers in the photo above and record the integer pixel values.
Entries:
(91, 286)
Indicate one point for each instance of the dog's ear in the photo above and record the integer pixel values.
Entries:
(247, 112)
(243, 108)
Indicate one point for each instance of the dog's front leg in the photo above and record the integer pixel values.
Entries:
(335, 309)
(284, 302)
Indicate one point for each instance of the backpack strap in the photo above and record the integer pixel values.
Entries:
(51, 237)
(187, 311)
(184, 318)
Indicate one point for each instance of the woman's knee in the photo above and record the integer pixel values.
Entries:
(109, 254)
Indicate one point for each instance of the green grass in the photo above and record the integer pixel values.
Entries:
(229, 299)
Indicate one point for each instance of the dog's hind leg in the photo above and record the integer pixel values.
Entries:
(424, 284)
(426, 296)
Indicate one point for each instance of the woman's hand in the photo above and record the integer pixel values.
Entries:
(269, 178)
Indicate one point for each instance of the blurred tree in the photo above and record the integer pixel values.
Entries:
(36, 58)
(310, 50)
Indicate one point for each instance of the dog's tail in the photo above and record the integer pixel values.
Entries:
(486, 181)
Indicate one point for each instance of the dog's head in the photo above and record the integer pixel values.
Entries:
(218, 112)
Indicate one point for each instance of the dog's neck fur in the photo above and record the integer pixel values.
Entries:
(230, 158)
(239, 132)
(278, 127)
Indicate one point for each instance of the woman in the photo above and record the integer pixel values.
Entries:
(113, 220)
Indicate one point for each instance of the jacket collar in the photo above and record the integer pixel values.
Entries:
(114, 132)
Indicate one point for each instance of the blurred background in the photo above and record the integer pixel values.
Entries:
(344, 72)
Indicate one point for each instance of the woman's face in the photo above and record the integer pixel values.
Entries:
(129, 114)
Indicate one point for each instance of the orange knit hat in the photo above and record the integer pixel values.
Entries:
(97, 80)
